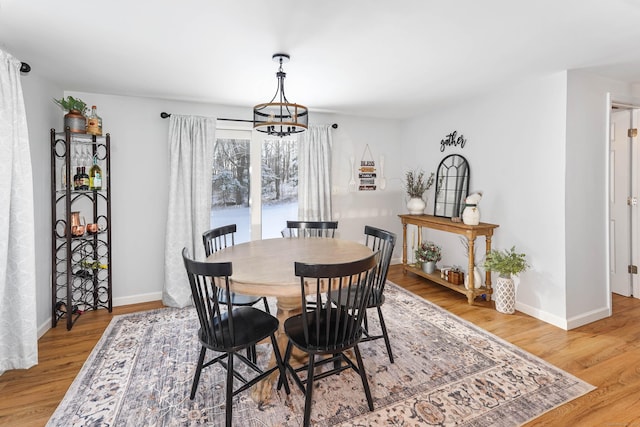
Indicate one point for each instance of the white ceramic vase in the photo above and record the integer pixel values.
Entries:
(429, 267)
(505, 295)
(416, 206)
(477, 279)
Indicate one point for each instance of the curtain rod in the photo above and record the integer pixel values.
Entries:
(167, 115)
(24, 67)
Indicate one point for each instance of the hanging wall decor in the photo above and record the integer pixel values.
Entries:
(367, 171)
(452, 140)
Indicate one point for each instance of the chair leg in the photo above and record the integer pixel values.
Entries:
(366, 322)
(287, 366)
(383, 326)
(363, 376)
(283, 373)
(252, 354)
(308, 392)
(266, 305)
(229, 398)
(196, 377)
(337, 362)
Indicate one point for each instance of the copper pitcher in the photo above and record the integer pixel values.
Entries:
(77, 224)
(75, 218)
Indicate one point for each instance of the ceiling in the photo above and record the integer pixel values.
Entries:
(364, 57)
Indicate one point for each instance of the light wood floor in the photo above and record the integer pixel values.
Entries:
(605, 354)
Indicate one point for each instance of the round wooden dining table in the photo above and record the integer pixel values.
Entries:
(266, 268)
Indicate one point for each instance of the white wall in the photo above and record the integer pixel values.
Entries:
(378, 208)
(515, 147)
(42, 115)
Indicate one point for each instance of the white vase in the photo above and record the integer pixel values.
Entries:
(416, 206)
(477, 279)
(429, 267)
(505, 295)
(471, 215)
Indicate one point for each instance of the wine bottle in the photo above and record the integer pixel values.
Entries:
(94, 122)
(76, 179)
(95, 175)
(84, 179)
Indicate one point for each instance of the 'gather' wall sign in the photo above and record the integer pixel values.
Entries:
(452, 140)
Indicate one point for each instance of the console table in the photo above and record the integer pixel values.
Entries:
(445, 224)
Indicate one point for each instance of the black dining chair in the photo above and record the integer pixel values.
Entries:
(303, 229)
(326, 329)
(381, 241)
(220, 238)
(228, 330)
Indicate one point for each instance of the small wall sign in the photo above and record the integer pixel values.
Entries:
(367, 171)
(452, 140)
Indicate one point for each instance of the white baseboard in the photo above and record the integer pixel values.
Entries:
(592, 316)
(542, 315)
(117, 302)
(42, 329)
(136, 299)
(561, 323)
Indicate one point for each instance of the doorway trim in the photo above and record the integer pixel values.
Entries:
(613, 105)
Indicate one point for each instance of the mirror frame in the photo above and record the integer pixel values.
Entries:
(452, 186)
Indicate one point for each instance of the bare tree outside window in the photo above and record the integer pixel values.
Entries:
(279, 171)
(231, 173)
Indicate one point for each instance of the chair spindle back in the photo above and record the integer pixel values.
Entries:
(203, 277)
(384, 242)
(218, 238)
(303, 229)
(328, 328)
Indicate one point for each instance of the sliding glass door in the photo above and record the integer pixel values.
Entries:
(258, 203)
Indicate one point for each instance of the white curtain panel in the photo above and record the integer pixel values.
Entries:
(191, 141)
(18, 329)
(314, 174)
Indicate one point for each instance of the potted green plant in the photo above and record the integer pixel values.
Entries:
(506, 263)
(70, 104)
(416, 185)
(74, 119)
(427, 255)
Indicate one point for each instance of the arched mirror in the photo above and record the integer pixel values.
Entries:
(452, 186)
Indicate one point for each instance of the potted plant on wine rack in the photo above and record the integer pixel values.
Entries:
(506, 264)
(75, 118)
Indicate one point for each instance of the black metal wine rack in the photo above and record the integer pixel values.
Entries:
(80, 264)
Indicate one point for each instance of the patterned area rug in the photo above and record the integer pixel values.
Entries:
(447, 372)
